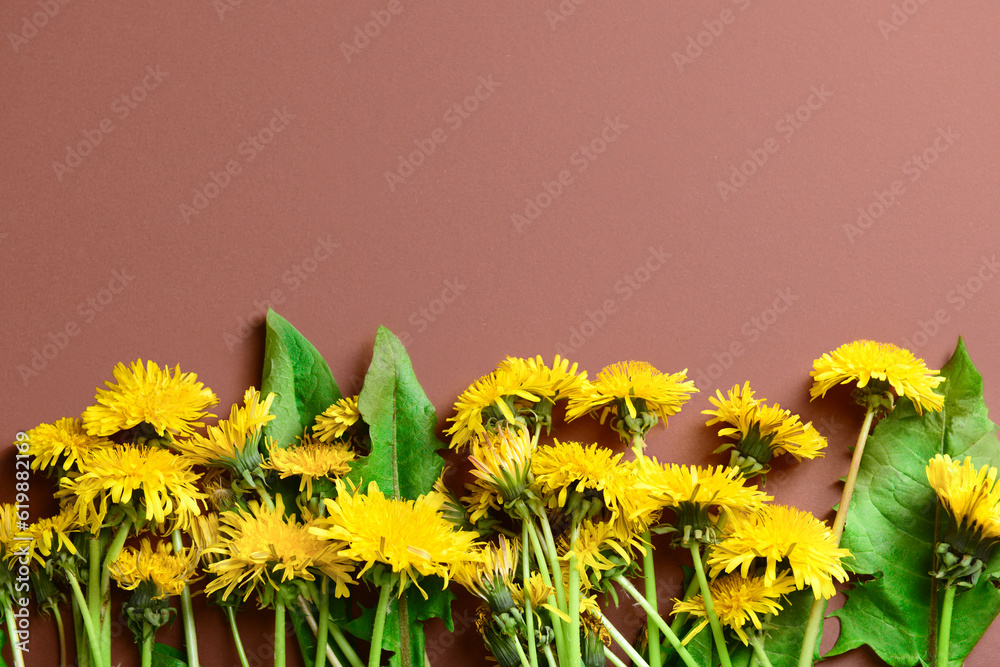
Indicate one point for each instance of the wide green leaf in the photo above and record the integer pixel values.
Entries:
(296, 372)
(403, 459)
(3, 642)
(168, 656)
(787, 630)
(893, 522)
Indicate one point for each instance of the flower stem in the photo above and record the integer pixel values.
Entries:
(548, 655)
(260, 489)
(61, 634)
(187, 611)
(649, 578)
(624, 643)
(88, 621)
(664, 628)
(15, 646)
(758, 650)
(818, 608)
(540, 559)
(114, 550)
(573, 600)
(321, 627)
(93, 604)
(345, 646)
(279, 633)
(529, 613)
(944, 634)
(82, 657)
(234, 629)
(713, 618)
(550, 547)
(520, 653)
(612, 658)
(380, 611)
(147, 644)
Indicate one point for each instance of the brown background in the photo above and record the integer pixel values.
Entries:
(439, 258)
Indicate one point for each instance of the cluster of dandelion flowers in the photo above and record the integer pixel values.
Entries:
(162, 483)
(738, 601)
(62, 444)
(410, 537)
(971, 499)
(166, 571)
(881, 372)
(332, 423)
(782, 536)
(262, 548)
(310, 461)
(233, 443)
(636, 393)
(761, 431)
(167, 403)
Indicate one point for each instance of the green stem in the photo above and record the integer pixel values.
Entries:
(345, 646)
(93, 604)
(553, 554)
(380, 611)
(235, 631)
(147, 644)
(664, 628)
(614, 659)
(187, 611)
(82, 657)
(88, 621)
(713, 618)
(529, 613)
(540, 559)
(260, 489)
(321, 626)
(15, 646)
(649, 578)
(547, 649)
(114, 550)
(944, 634)
(61, 634)
(520, 653)
(573, 601)
(816, 612)
(758, 650)
(279, 633)
(680, 619)
(625, 644)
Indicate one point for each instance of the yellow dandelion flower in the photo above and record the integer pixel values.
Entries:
(62, 444)
(310, 461)
(489, 575)
(233, 443)
(590, 471)
(333, 422)
(635, 393)
(168, 404)
(481, 501)
(502, 461)
(761, 431)
(881, 371)
(167, 571)
(158, 483)
(14, 542)
(555, 382)
(738, 600)
(47, 536)
(409, 536)
(206, 532)
(263, 548)
(595, 545)
(785, 536)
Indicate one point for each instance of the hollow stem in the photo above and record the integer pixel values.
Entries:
(187, 611)
(529, 614)
(88, 622)
(649, 578)
(279, 633)
(573, 601)
(944, 634)
(758, 650)
(664, 628)
(380, 611)
(540, 558)
(624, 643)
(235, 631)
(147, 645)
(713, 618)
(322, 625)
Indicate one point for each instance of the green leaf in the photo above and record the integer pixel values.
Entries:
(3, 642)
(168, 656)
(784, 641)
(403, 460)
(893, 521)
(404, 632)
(303, 633)
(300, 378)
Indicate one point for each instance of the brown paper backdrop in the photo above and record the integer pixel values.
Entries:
(489, 179)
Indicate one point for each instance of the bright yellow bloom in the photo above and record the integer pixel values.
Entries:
(763, 431)
(502, 461)
(971, 498)
(482, 500)
(409, 536)
(206, 532)
(636, 394)
(737, 601)
(333, 422)
(490, 575)
(879, 369)
(167, 571)
(263, 548)
(46, 536)
(721, 487)
(149, 395)
(570, 467)
(61, 444)
(310, 461)
(786, 536)
(233, 443)
(596, 543)
(539, 594)
(13, 541)
(550, 382)
(162, 483)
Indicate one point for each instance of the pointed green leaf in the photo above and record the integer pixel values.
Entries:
(404, 628)
(3, 642)
(784, 641)
(168, 656)
(403, 460)
(893, 521)
(300, 378)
